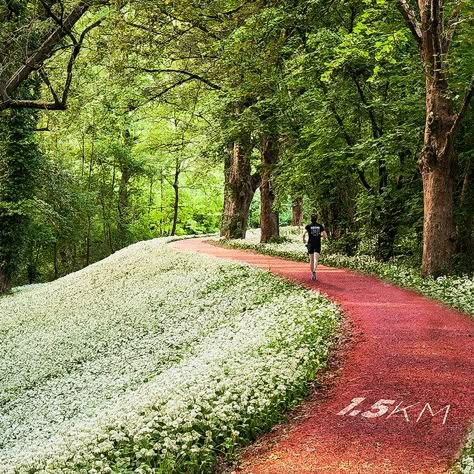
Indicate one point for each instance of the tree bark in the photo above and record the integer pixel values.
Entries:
(438, 157)
(437, 165)
(269, 223)
(239, 188)
(438, 228)
(297, 212)
(5, 282)
(176, 197)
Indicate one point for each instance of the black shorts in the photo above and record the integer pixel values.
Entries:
(312, 248)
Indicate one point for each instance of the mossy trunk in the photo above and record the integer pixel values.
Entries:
(239, 188)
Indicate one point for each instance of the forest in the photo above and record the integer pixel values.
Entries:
(123, 121)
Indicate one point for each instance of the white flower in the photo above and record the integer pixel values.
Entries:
(148, 354)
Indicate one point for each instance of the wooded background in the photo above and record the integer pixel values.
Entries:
(122, 121)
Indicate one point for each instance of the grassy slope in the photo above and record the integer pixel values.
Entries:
(152, 359)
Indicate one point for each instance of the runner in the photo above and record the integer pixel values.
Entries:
(314, 231)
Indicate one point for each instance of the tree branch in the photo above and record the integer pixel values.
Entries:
(191, 75)
(59, 21)
(459, 117)
(161, 93)
(194, 23)
(72, 60)
(363, 180)
(44, 76)
(44, 51)
(410, 19)
(31, 104)
(377, 132)
(256, 181)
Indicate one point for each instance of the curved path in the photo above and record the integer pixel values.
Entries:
(409, 376)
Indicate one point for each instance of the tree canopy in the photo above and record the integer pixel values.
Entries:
(123, 121)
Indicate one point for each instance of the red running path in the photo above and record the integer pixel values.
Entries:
(408, 352)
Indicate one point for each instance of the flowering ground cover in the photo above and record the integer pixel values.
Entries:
(153, 361)
(456, 291)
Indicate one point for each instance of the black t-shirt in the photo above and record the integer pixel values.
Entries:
(314, 234)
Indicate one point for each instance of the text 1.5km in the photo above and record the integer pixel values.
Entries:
(415, 412)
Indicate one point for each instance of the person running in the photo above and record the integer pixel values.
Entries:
(314, 232)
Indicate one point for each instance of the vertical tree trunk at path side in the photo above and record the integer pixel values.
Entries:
(269, 224)
(177, 172)
(240, 186)
(297, 212)
(437, 159)
(437, 170)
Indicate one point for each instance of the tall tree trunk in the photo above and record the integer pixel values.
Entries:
(5, 282)
(88, 241)
(269, 224)
(438, 157)
(297, 212)
(89, 217)
(239, 188)
(150, 194)
(55, 260)
(437, 163)
(123, 206)
(176, 197)
(437, 172)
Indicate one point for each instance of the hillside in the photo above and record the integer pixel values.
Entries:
(151, 359)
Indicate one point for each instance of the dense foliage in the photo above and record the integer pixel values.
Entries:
(177, 108)
(122, 121)
(190, 358)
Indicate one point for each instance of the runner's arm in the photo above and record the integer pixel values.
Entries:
(304, 236)
(324, 234)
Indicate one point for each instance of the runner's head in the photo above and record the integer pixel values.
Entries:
(314, 218)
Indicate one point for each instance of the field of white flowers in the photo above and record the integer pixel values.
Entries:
(152, 361)
(456, 291)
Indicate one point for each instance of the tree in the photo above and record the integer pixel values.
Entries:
(19, 163)
(269, 223)
(437, 160)
(50, 26)
(239, 187)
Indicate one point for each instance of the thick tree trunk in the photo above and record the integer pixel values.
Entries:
(438, 230)
(269, 224)
(437, 159)
(5, 282)
(297, 212)
(240, 186)
(437, 163)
